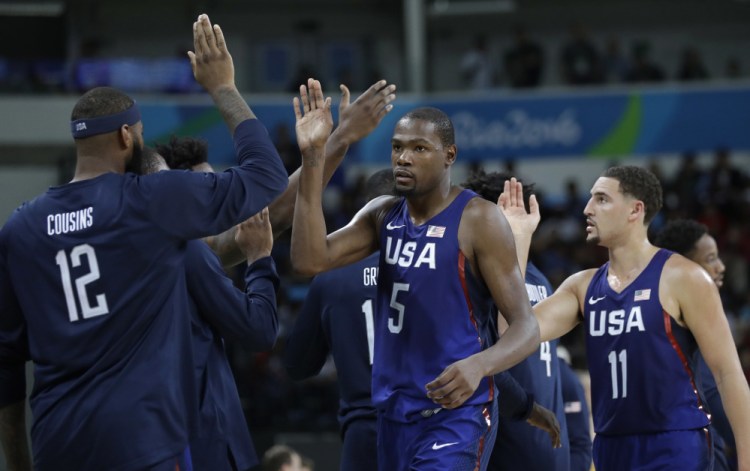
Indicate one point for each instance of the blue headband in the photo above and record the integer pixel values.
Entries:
(86, 127)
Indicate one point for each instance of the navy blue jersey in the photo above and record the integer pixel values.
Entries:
(338, 317)
(576, 419)
(426, 315)
(722, 431)
(219, 310)
(93, 271)
(520, 445)
(639, 358)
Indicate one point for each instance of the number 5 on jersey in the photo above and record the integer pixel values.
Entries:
(87, 310)
(395, 327)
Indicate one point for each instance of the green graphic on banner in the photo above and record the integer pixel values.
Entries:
(623, 138)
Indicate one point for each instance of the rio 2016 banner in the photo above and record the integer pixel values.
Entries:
(605, 124)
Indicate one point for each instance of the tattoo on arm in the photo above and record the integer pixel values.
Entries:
(232, 106)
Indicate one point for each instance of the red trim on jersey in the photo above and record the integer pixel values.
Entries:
(683, 359)
(486, 414)
(470, 307)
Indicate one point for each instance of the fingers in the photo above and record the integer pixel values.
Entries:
(221, 43)
(345, 97)
(191, 56)
(198, 42)
(317, 91)
(208, 32)
(297, 110)
(305, 99)
(533, 205)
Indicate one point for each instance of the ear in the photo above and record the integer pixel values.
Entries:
(638, 210)
(450, 155)
(124, 137)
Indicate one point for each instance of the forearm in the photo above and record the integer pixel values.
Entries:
(13, 436)
(233, 108)
(309, 243)
(518, 342)
(736, 398)
(523, 246)
(282, 209)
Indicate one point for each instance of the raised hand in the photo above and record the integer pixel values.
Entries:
(512, 205)
(254, 236)
(360, 118)
(313, 116)
(212, 64)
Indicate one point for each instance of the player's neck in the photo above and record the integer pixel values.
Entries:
(88, 167)
(627, 260)
(424, 207)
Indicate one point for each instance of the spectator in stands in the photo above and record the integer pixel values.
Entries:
(476, 68)
(691, 66)
(580, 61)
(642, 68)
(524, 62)
(615, 64)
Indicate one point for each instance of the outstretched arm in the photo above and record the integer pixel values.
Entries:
(213, 68)
(356, 120)
(522, 223)
(311, 250)
(558, 314)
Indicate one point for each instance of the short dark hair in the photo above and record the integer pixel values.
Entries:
(680, 235)
(639, 183)
(151, 161)
(277, 456)
(182, 153)
(490, 185)
(380, 183)
(101, 101)
(443, 124)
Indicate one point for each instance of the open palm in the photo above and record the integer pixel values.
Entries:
(313, 116)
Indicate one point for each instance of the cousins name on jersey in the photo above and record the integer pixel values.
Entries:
(62, 223)
(403, 255)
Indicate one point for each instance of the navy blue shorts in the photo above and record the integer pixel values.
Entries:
(683, 450)
(449, 440)
(360, 450)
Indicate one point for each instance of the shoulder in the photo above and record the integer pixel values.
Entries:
(681, 275)
(578, 283)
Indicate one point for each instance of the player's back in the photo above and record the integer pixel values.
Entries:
(348, 311)
(638, 356)
(431, 311)
(102, 291)
(518, 444)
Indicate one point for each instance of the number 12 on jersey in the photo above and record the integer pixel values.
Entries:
(87, 310)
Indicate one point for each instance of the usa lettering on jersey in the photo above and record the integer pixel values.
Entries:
(403, 256)
(615, 323)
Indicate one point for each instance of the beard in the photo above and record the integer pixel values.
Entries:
(402, 191)
(136, 159)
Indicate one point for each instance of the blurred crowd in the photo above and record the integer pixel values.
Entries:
(518, 61)
(717, 195)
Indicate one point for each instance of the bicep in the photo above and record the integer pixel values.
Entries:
(495, 255)
(353, 242)
(702, 311)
